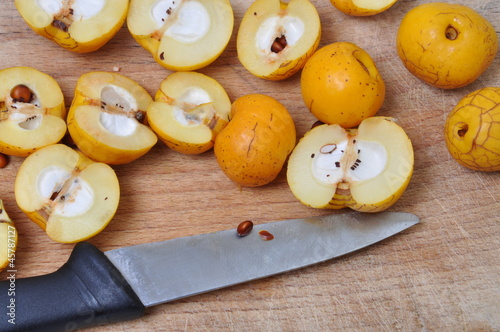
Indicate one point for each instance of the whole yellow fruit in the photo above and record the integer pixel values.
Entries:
(446, 45)
(472, 130)
(340, 84)
(252, 149)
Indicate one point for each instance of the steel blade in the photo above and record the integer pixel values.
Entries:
(165, 271)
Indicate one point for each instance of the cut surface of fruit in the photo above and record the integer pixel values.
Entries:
(68, 195)
(107, 118)
(276, 38)
(182, 34)
(8, 239)
(190, 109)
(366, 169)
(362, 7)
(78, 25)
(32, 111)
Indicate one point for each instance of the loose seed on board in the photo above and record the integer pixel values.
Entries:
(244, 228)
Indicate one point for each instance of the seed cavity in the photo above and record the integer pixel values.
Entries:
(119, 111)
(66, 12)
(277, 33)
(328, 148)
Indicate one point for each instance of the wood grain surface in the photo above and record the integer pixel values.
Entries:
(441, 275)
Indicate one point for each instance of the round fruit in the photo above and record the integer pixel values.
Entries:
(472, 130)
(446, 45)
(366, 169)
(341, 84)
(254, 146)
(362, 7)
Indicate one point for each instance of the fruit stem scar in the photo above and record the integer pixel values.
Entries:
(451, 32)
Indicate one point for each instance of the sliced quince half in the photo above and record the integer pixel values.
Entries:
(67, 194)
(276, 38)
(80, 26)
(8, 239)
(182, 34)
(107, 118)
(363, 7)
(32, 111)
(190, 109)
(366, 169)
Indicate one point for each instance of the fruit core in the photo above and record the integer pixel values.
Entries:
(348, 161)
(120, 114)
(277, 33)
(65, 12)
(182, 20)
(65, 193)
(23, 107)
(194, 107)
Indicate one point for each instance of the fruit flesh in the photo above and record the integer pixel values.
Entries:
(366, 169)
(68, 195)
(362, 7)
(26, 126)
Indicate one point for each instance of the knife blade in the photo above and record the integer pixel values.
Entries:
(94, 288)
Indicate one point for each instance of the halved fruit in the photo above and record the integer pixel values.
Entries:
(8, 239)
(366, 169)
(276, 38)
(68, 195)
(107, 118)
(190, 109)
(182, 35)
(80, 26)
(32, 111)
(362, 7)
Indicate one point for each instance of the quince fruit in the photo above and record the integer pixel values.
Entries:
(8, 239)
(32, 111)
(80, 26)
(341, 84)
(366, 169)
(472, 130)
(107, 118)
(189, 111)
(446, 45)
(363, 7)
(67, 194)
(255, 145)
(181, 35)
(276, 38)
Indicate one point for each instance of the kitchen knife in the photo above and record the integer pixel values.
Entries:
(94, 288)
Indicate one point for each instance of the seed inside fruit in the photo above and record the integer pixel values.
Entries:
(21, 93)
(278, 32)
(451, 32)
(78, 9)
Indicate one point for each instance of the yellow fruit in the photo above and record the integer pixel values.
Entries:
(362, 7)
(472, 130)
(341, 84)
(276, 38)
(8, 239)
(68, 195)
(79, 26)
(254, 146)
(365, 169)
(446, 45)
(189, 111)
(32, 111)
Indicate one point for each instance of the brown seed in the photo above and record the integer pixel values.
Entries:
(60, 25)
(21, 93)
(244, 228)
(279, 44)
(266, 236)
(3, 160)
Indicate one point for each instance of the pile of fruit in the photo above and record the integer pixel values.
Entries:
(352, 158)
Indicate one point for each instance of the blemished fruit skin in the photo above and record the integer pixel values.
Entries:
(446, 45)
(355, 8)
(341, 84)
(472, 130)
(253, 148)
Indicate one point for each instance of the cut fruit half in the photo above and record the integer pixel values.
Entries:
(8, 240)
(107, 118)
(80, 26)
(363, 7)
(366, 169)
(189, 111)
(32, 111)
(68, 195)
(182, 35)
(276, 38)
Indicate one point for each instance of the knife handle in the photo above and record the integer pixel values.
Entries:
(86, 291)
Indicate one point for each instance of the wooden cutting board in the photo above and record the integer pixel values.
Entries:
(441, 275)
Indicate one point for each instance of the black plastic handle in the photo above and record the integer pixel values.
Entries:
(86, 291)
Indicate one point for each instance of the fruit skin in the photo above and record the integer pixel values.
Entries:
(349, 7)
(8, 238)
(472, 130)
(334, 77)
(65, 39)
(21, 143)
(427, 52)
(254, 146)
